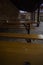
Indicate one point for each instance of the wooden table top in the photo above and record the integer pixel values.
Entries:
(18, 53)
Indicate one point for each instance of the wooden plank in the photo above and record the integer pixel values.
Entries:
(16, 23)
(15, 26)
(17, 53)
(11, 26)
(23, 36)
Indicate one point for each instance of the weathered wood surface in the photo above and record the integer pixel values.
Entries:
(17, 53)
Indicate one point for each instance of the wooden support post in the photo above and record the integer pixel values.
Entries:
(34, 15)
(38, 22)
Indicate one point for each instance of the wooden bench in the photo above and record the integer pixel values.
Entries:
(27, 26)
(22, 36)
(17, 25)
(17, 53)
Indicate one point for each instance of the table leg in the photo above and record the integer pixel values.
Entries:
(28, 31)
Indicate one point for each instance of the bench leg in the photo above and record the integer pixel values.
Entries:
(38, 24)
(28, 30)
(28, 40)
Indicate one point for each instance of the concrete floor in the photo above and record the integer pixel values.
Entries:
(37, 30)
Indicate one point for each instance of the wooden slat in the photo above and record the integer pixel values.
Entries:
(23, 36)
(18, 22)
(17, 53)
(11, 26)
(15, 26)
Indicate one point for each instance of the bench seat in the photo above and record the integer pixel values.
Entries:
(23, 36)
